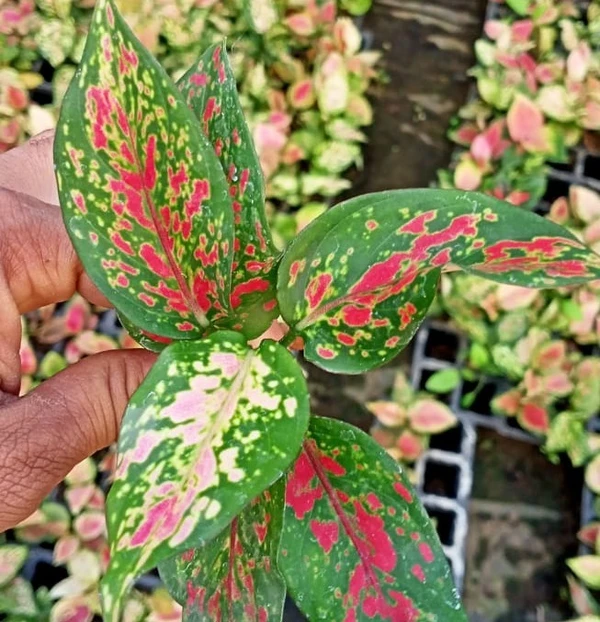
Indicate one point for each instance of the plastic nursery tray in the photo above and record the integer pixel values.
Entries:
(445, 471)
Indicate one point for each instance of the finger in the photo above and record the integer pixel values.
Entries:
(38, 266)
(29, 168)
(36, 255)
(10, 340)
(69, 417)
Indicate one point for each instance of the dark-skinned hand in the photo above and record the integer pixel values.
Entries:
(77, 412)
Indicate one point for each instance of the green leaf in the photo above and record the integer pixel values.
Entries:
(235, 576)
(356, 7)
(12, 558)
(443, 381)
(468, 399)
(356, 283)
(469, 375)
(479, 356)
(143, 194)
(210, 90)
(363, 542)
(567, 433)
(147, 340)
(213, 425)
(587, 568)
(51, 364)
(520, 7)
(571, 310)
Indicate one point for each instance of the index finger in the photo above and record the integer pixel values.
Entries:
(38, 266)
(37, 259)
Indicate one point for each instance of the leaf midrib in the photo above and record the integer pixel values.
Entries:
(228, 407)
(229, 579)
(226, 411)
(342, 516)
(163, 238)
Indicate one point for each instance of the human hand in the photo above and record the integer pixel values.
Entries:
(77, 412)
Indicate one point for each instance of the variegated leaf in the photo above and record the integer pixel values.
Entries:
(143, 195)
(357, 281)
(235, 576)
(262, 14)
(212, 426)
(12, 557)
(18, 600)
(147, 340)
(357, 545)
(210, 89)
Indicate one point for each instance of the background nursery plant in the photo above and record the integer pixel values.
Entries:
(223, 480)
(533, 112)
(301, 72)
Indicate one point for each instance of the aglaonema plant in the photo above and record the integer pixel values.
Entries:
(223, 479)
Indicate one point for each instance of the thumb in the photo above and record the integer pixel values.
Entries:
(29, 168)
(69, 417)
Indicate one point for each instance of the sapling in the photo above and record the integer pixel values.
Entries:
(224, 480)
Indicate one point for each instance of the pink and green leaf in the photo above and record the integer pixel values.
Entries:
(73, 609)
(90, 525)
(588, 534)
(235, 576)
(356, 282)
(77, 497)
(525, 122)
(428, 416)
(586, 568)
(48, 523)
(210, 90)
(154, 343)
(27, 356)
(143, 195)
(365, 545)
(534, 417)
(468, 175)
(410, 446)
(84, 472)
(583, 601)
(12, 558)
(212, 426)
(389, 414)
(64, 549)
